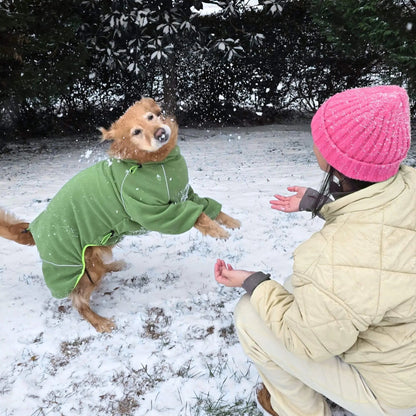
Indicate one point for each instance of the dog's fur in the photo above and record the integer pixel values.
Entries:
(142, 134)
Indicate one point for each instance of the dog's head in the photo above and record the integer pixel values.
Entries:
(142, 133)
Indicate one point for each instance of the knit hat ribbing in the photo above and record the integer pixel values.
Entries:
(364, 133)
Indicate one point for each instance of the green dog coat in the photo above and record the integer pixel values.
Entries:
(107, 201)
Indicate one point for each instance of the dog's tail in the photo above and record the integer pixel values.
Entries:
(14, 229)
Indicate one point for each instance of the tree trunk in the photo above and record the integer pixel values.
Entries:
(169, 86)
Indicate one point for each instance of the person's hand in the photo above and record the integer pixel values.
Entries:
(227, 276)
(289, 203)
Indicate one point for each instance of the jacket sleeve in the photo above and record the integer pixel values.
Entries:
(172, 218)
(327, 311)
(210, 207)
(310, 322)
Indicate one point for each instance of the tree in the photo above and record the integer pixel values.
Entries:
(138, 37)
(40, 57)
(382, 30)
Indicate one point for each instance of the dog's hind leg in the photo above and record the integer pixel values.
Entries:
(80, 296)
(106, 255)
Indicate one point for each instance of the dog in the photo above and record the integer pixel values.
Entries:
(143, 186)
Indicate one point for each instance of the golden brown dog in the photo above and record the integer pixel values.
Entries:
(138, 189)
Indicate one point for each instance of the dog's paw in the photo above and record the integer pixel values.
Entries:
(218, 232)
(116, 266)
(104, 325)
(207, 226)
(232, 223)
(228, 221)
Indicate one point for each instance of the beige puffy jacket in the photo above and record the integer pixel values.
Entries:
(355, 289)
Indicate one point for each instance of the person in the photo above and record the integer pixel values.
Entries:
(343, 328)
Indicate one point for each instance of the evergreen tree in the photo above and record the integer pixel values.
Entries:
(383, 30)
(40, 55)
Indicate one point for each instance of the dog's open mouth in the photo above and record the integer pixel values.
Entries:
(162, 135)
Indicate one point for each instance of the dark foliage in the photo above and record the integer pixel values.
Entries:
(68, 67)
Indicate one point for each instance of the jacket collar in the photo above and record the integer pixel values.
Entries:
(371, 197)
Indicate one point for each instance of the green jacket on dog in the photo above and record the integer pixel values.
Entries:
(107, 201)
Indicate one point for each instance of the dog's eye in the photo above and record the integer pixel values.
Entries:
(136, 132)
(150, 117)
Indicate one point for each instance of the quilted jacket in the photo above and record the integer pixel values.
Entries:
(107, 201)
(355, 289)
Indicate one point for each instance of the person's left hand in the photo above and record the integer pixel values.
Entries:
(289, 203)
(227, 276)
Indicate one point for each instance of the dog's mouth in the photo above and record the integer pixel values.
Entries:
(162, 135)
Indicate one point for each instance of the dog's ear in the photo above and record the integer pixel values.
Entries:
(147, 102)
(150, 104)
(106, 134)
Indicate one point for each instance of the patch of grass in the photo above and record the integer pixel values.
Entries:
(186, 370)
(138, 282)
(126, 405)
(71, 349)
(137, 382)
(169, 278)
(134, 383)
(216, 364)
(147, 379)
(5, 385)
(198, 332)
(207, 406)
(112, 406)
(229, 335)
(156, 323)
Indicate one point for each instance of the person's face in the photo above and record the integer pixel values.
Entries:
(321, 161)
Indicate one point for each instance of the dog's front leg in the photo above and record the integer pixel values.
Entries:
(207, 226)
(228, 221)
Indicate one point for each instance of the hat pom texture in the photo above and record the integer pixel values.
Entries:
(364, 133)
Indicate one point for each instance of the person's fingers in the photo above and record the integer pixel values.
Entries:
(280, 205)
(219, 265)
(280, 197)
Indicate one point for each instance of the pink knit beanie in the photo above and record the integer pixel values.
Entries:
(364, 133)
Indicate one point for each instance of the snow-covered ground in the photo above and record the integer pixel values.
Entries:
(174, 351)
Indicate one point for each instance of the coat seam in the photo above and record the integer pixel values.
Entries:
(166, 181)
(121, 190)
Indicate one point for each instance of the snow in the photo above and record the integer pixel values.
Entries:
(174, 351)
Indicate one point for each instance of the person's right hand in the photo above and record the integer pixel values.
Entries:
(227, 276)
(289, 203)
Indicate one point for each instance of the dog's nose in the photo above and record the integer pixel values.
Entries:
(161, 135)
